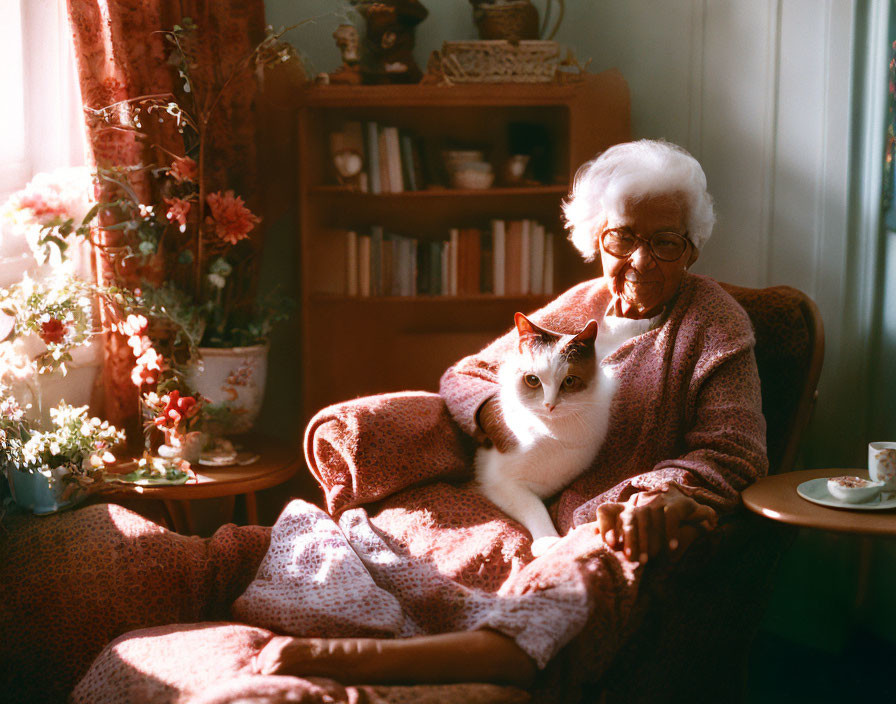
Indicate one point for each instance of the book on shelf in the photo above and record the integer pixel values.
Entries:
(525, 256)
(364, 266)
(372, 149)
(408, 168)
(498, 257)
(393, 159)
(351, 263)
(469, 262)
(513, 257)
(536, 258)
(453, 240)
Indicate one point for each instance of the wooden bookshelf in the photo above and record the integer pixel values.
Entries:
(355, 346)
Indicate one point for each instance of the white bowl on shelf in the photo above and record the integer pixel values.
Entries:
(456, 158)
(853, 490)
(473, 175)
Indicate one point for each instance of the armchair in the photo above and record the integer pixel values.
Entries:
(74, 581)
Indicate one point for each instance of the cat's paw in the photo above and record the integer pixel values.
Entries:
(542, 545)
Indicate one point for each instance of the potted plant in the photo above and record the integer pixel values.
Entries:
(49, 467)
(192, 250)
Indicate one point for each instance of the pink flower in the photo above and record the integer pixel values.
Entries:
(52, 331)
(140, 344)
(178, 210)
(183, 168)
(146, 367)
(230, 217)
(134, 325)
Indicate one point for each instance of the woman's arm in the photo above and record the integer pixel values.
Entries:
(724, 452)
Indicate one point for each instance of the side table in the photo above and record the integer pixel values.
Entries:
(775, 497)
(277, 462)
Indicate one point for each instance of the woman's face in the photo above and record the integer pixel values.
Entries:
(641, 283)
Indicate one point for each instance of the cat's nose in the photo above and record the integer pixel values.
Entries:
(549, 406)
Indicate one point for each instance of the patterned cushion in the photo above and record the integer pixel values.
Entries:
(73, 581)
(367, 449)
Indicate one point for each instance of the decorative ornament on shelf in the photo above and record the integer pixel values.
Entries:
(509, 49)
(387, 54)
(349, 44)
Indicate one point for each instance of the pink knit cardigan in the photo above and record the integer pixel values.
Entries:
(688, 408)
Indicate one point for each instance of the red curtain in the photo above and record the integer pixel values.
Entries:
(121, 54)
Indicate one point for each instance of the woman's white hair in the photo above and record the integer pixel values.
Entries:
(633, 171)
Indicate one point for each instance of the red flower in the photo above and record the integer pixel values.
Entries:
(231, 219)
(176, 409)
(183, 168)
(178, 210)
(52, 331)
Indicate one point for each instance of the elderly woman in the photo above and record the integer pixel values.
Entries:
(416, 575)
(686, 430)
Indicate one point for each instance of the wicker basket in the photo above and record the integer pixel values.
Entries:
(497, 61)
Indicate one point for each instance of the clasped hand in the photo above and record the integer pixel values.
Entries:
(650, 522)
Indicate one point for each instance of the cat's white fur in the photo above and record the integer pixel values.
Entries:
(552, 448)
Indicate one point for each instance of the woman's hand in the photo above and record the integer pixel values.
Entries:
(650, 522)
(491, 420)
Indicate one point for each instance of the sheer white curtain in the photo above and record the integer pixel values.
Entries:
(41, 126)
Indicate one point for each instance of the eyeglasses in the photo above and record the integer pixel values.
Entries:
(667, 246)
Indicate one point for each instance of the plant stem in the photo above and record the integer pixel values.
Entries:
(201, 207)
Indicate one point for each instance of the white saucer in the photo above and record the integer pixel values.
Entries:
(816, 491)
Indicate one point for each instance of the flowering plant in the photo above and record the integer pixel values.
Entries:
(76, 444)
(57, 312)
(43, 215)
(190, 249)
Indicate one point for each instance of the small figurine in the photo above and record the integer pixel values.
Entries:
(388, 49)
(349, 73)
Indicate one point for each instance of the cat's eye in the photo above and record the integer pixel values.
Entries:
(532, 381)
(571, 382)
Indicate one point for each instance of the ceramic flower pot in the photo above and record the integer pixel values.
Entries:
(41, 492)
(233, 380)
(188, 447)
(75, 387)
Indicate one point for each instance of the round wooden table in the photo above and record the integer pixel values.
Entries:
(775, 497)
(277, 461)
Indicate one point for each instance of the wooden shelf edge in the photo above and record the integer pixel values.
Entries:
(466, 94)
(334, 299)
(525, 191)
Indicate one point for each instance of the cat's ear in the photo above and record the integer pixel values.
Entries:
(588, 333)
(583, 343)
(524, 326)
(529, 331)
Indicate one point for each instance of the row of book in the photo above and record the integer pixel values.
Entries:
(511, 258)
(393, 159)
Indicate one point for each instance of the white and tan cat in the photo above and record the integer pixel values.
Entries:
(555, 400)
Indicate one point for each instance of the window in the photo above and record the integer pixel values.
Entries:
(41, 125)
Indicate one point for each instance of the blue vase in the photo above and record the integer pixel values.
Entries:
(36, 493)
